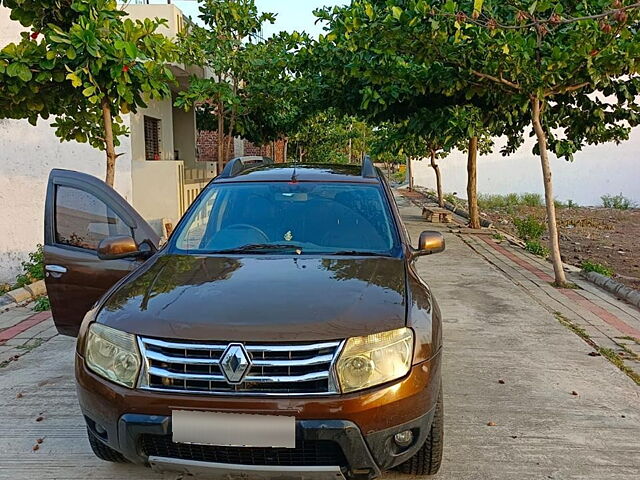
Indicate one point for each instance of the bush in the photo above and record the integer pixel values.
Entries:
(509, 202)
(32, 269)
(451, 198)
(529, 229)
(537, 249)
(589, 266)
(619, 202)
(531, 199)
(42, 304)
(567, 204)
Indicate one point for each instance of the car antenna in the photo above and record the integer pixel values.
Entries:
(294, 175)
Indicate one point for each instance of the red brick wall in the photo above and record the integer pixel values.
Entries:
(208, 148)
(266, 150)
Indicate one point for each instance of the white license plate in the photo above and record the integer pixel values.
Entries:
(233, 430)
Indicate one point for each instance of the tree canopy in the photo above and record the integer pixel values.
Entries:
(86, 63)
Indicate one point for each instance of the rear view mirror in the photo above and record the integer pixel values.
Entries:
(430, 243)
(113, 248)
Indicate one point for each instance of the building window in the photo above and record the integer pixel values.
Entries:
(151, 138)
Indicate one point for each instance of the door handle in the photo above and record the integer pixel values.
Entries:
(56, 269)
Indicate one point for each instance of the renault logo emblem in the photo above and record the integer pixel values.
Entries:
(235, 363)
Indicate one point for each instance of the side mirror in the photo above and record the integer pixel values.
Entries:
(114, 248)
(430, 243)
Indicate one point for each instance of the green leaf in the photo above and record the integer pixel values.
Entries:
(19, 70)
(58, 39)
(397, 12)
(89, 91)
(75, 79)
(477, 6)
(131, 49)
(368, 9)
(71, 53)
(533, 6)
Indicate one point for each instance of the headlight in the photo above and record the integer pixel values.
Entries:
(375, 359)
(113, 354)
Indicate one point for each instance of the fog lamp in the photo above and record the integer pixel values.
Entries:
(403, 439)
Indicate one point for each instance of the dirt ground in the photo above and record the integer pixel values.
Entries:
(606, 236)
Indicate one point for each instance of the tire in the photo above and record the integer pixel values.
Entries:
(427, 460)
(103, 452)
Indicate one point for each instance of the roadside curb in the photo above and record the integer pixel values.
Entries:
(22, 295)
(622, 291)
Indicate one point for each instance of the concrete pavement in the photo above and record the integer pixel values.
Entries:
(559, 413)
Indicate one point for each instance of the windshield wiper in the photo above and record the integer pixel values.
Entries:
(358, 253)
(261, 248)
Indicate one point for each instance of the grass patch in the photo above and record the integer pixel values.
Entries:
(631, 339)
(509, 201)
(581, 332)
(498, 236)
(530, 229)
(589, 266)
(27, 347)
(451, 198)
(537, 249)
(618, 362)
(42, 304)
(567, 204)
(619, 202)
(32, 269)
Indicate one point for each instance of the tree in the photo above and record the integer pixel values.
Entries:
(221, 46)
(83, 62)
(553, 61)
(387, 80)
(546, 64)
(328, 137)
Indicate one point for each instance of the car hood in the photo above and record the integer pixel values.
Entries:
(261, 298)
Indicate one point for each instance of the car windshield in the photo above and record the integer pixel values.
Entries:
(278, 217)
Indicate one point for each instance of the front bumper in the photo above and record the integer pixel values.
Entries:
(362, 424)
(361, 456)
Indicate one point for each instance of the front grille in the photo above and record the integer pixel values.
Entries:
(306, 453)
(278, 369)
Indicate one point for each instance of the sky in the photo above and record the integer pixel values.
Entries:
(291, 14)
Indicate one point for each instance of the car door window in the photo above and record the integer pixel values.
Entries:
(83, 220)
(198, 226)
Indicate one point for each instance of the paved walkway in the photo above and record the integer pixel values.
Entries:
(510, 360)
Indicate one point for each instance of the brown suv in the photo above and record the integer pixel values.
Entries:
(282, 331)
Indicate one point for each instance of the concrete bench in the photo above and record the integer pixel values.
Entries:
(437, 215)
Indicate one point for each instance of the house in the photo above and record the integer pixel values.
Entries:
(159, 171)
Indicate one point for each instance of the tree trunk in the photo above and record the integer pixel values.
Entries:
(436, 168)
(410, 174)
(554, 238)
(221, 158)
(286, 147)
(472, 183)
(108, 142)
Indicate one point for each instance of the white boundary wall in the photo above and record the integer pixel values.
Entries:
(596, 171)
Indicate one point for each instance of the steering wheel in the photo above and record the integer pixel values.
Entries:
(245, 227)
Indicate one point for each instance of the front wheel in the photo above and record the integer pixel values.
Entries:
(427, 460)
(103, 452)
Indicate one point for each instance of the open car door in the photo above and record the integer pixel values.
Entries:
(83, 218)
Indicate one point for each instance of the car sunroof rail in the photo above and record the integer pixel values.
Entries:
(239, 164)
(368, 169)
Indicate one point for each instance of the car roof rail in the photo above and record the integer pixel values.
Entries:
(239, 164)
(368, 169)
